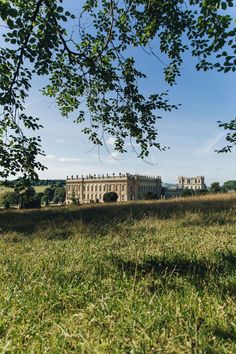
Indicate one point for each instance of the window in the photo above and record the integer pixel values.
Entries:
(123, 187)
(96, 188)
(88, 196)
(91, 188)
(87, 188)
(100, 188)
(104, 188)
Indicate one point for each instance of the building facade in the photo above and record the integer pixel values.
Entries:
(128, 187)
(194, 183)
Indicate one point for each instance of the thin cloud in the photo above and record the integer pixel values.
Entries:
(30, 103)
(210, 145)
(50, 157)
(69, 159)
(110, 141)
(60, 141)
(114, 155)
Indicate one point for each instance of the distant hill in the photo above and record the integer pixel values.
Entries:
(34, 183)
(170, 185)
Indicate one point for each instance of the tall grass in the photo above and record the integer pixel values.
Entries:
(154, 277)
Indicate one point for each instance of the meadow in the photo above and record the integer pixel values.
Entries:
(145, 277)
(4, 189)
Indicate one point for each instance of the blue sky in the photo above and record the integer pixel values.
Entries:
(191, 132)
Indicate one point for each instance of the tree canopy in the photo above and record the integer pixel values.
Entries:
(229, 186)
(215, 187)
(91, 71)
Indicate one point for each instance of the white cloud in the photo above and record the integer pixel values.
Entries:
(114, 155)
(110, 140)
(69, 159)
(30, 103)
(50, 157)
(210, 145)
(60, 141)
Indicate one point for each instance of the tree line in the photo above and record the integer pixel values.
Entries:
(27, 197)
(38, 182)
(215, 187)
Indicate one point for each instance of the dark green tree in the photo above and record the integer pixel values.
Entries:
(10, 199)
(45, 200)
(110, 197)
(49, 193)
(59, 195)
(215, 187)
(187, 193)
(150, 196)
(39, 196)
(201, 191)
(229, 186)
(94, 65)
(74, 200)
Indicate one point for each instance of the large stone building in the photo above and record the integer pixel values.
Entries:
(195, 183)
(127, 186)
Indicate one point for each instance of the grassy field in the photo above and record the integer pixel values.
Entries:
(127, 278)
(4, 189)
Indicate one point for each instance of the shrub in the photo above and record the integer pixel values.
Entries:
(74, 201)
(6, 205)
(187, 193)
(59, 195)
(45, 200)
(10, 198)
(201, 192)
(110, 197)
(31, 204)
(215, 187)
(150, 196)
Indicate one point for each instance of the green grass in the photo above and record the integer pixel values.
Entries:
(4, 189)
(127, 278)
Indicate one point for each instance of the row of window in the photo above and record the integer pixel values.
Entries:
(148, 189)
(97, 188)
(193, 181)
(94, 197)
(194, 187)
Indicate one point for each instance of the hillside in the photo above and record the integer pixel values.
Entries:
(146, 277)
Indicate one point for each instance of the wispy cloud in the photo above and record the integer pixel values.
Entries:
(55, 158)
(30, 103)
(210, 145)
(60, 141)
(114, 155)
(110, 140)
(69, 159)
(51, 157)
